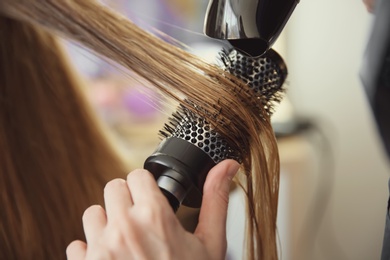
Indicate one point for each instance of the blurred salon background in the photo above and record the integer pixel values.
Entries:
(333, 193)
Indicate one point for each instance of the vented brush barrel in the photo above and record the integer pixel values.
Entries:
(264, 75)
(182, 160)
(191, 147)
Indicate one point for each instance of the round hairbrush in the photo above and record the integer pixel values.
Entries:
(191, 146)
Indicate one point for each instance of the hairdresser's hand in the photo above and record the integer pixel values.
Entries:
(370, 4)
(138, 222)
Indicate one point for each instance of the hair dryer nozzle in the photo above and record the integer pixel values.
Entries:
(251, 26)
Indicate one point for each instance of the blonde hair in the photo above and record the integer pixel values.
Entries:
(234, 112)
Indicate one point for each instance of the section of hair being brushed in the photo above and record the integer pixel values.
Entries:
(229, 105)
(54, 161)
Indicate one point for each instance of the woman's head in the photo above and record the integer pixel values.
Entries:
(52, 149)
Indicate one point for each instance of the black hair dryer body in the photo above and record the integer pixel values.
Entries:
(251, 26)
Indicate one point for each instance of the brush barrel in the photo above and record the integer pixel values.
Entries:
(191, 147)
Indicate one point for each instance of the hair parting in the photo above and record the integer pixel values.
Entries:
(234, 112)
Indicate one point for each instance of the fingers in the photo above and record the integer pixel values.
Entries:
(76, 250)
(134, 217)
(94, 221)
(143, 187)
(117, 199)
(212, 219)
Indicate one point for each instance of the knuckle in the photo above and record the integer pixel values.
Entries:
(157, 215)
(149, 214)
(121, 237)
(219, 198)
(219, 193)
(116, 239)
(223, 196)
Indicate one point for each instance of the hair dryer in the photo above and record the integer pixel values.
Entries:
(251, 26)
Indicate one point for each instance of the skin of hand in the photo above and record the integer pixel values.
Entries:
(369, 5)
(138, 222)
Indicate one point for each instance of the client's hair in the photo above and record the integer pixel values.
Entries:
(234, 112)
(54, 160)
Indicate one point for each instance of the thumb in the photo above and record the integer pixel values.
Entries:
(211, 229)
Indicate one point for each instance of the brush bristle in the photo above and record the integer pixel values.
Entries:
(193, 128)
